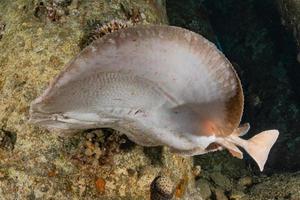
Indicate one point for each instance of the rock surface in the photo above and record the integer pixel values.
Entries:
(290, 11)
(281, 186)
(36, 39)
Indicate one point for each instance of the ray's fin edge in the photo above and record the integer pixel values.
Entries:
(259, 146)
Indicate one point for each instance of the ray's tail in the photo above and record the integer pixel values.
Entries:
(259, 146)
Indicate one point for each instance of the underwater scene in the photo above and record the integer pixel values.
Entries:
(150, 99)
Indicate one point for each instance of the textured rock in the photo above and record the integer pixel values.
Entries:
(290, 10)
(39, 38)
(219, 194)
(282, 186)
(204, 188)
(245, 181)
(237, 195)
(221, 180)
(191, 15)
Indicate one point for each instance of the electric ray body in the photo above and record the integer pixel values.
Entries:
(160, 85)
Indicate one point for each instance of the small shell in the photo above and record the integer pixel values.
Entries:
(162, 188)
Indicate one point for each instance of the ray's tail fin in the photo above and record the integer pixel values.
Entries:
(259, 146)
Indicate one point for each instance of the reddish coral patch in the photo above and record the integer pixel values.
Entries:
(100, 185)
(181, 187)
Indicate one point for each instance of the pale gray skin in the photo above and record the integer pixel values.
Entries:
(160, 85)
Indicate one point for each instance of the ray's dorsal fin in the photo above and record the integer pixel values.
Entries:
(259, 146)
(242, 130)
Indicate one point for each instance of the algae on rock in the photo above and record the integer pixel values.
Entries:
(41, 36)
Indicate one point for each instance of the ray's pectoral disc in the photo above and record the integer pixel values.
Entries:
(160, 85)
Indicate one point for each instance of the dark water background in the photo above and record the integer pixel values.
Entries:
(251, 35)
